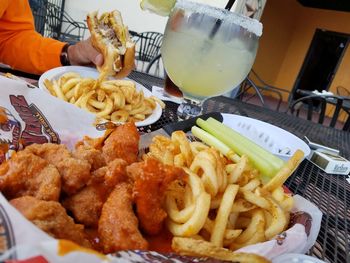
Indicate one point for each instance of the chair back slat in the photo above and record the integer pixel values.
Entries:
(323, 106)
(347, 125)
(147, 49)
(148, 45)
(338, 107)
(310, 109)
(154, 61)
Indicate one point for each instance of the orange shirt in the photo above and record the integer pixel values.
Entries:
(21, 46)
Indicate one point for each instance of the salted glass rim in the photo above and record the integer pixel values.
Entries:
(250, 24)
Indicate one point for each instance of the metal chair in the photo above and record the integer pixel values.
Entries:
(134, 35)
(72, 31)
(52, 21)
(38, 8)
(309, 102)
(147, 47)
(155, 67)
(243, 91)
(61, 26)
(261, 89)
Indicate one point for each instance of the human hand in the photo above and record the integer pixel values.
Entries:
(83, 53)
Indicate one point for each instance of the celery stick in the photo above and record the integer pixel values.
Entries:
(274, 160)
(237, 144)
(214, 142)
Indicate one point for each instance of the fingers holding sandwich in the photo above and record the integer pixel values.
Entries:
(83, 53)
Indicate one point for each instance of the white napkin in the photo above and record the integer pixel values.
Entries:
(159, 93)
(323, 93)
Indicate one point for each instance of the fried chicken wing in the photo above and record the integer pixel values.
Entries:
(28, 174)
(52, 218)
(92, 235)
(75, 172)
(118, 225)
(90, 154)
(96, 143)
(122, 143)
(151, 179)
(116, 173)
(86, 205)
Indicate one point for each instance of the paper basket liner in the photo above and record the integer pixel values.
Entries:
(34, 116)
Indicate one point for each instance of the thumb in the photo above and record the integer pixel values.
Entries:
(83, 53)
(92, 54)
(98, 60)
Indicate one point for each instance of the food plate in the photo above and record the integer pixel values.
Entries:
(274, 139)
(85, 72)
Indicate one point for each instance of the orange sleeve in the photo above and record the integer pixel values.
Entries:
(21, 47)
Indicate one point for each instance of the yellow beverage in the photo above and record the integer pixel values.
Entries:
(204, 67)
(208, 51)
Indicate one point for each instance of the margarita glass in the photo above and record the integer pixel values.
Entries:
(207, 51)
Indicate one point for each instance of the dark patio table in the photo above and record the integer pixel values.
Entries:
(331, 193)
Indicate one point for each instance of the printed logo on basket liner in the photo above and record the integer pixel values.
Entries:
(31, 126)
(7, 238)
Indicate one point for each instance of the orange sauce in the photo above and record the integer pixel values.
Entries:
(3, 116)
(65, 247)
(4, 147)
(4, 167)
(287, 190)
(161, 242)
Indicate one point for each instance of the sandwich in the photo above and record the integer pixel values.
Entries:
(110, 37)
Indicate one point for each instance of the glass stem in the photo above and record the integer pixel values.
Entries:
(189, 109)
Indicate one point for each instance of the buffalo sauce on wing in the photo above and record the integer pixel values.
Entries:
(160, 243)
